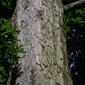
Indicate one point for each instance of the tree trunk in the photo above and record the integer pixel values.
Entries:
(45, 61)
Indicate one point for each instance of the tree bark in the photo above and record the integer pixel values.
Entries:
(45, 61)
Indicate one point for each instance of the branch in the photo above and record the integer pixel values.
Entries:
(74, 4)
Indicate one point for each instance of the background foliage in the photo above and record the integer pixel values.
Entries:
(9, 49)
(7, 8)
(74, 24)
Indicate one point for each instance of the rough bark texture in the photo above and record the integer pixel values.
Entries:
(45, 61)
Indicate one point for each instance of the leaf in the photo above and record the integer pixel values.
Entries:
(3, 3)
(79, 11)
(67, 28)
(1, 79)
(73, 19)
(4, 73)
(78, 19)
(1, 68)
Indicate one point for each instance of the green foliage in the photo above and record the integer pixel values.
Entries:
(9, 49)
(73, 18)
(74, 24)
(7, 3)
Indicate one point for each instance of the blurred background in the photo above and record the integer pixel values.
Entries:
(74, 24)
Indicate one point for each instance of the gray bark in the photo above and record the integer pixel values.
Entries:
(45, 61)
